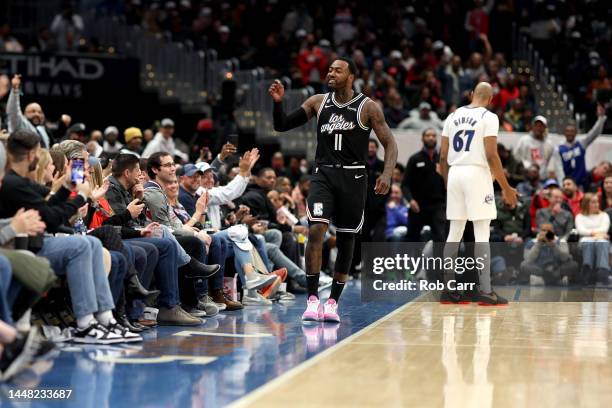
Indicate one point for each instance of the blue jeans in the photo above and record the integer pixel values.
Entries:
(166, 270)
(5, 281)
(596, 254)
(281, 260)
(146, 257)
(182, 257)
(260, 244)
(119, 268)
(217, 254)
(80, 259)
(241, 257)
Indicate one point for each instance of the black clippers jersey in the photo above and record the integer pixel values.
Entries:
(341, 136)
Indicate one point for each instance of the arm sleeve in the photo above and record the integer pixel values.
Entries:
(52, 215)
(217, 164)
(283, 122)
(7, 232)
(406, 181)
(119, 219)
(156, 206)
(115, 200)
(594, 132)
(556, 165)
(13, 111)
(230, 192)
(540, 218)
(532, 250)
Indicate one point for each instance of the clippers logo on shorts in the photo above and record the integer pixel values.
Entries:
(489, 199)
(317, 209)
(337, 122)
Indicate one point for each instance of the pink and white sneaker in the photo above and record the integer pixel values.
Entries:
(313, 311)
(330, 311)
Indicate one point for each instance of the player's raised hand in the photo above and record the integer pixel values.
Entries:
(277, 91)
(383, 183)
(510, 197)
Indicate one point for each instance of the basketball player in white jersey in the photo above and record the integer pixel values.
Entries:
(469, 147)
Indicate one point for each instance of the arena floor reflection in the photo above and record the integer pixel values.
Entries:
(207, 366)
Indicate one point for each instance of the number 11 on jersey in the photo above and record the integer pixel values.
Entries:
(338, 141)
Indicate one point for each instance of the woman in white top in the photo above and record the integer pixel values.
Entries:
(593, 226)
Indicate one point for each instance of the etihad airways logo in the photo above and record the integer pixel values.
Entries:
(337, 122)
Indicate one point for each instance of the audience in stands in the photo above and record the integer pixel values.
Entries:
(593, 225)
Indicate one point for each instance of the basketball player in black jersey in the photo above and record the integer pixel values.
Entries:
(338, 187)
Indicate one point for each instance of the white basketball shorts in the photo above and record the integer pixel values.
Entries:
(470, 194)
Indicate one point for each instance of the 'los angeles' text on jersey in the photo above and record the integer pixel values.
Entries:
(342, 138)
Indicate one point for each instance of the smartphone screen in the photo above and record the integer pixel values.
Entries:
(78, 171)
(233, 139)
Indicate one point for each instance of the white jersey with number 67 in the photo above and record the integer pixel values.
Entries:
(466, 129)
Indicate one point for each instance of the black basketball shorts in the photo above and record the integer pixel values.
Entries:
(338, 195)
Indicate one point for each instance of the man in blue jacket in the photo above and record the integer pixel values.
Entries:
(569, 157)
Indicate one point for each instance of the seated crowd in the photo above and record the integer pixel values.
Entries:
(115, 239)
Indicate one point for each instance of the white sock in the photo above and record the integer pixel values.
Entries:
(83, 322)
(105, 317)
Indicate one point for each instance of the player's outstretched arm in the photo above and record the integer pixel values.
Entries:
(376, 118)
(509, 194)
(284, 122)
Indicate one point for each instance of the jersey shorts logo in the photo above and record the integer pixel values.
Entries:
(317, 209)
(489, 199)
(337, 122)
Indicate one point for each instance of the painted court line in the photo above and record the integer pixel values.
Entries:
(189, 333)
(248, 399)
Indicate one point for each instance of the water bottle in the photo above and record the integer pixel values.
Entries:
(79, 226)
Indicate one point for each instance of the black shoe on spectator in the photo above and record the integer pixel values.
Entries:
(198, 270)
(124, 321)
(296, 288)
(135, 290)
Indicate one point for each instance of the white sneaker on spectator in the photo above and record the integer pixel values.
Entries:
(95, 333)
(256, 300)
(150, 313)
(258, 281)
(127, 335)
(535, 280)
(196, 312)
(221, 306)
(206, 303)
